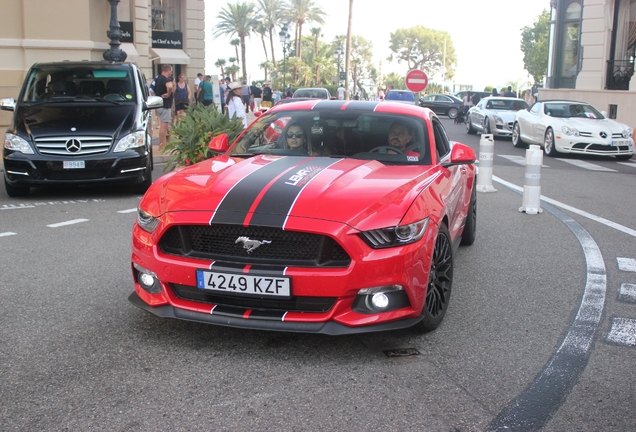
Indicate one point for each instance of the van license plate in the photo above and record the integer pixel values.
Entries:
(73, 164)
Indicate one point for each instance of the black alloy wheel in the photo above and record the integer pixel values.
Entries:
(440, 282)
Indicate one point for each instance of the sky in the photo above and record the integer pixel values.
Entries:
(486, 35)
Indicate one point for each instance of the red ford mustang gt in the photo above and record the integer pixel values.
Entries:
(344, 222)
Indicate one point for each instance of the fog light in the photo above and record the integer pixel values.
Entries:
(146, 279)
(380, 301)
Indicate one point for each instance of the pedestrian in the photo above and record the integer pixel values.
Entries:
(510, 93)
(164, 87)
(257, 94)
(197, 81)
(267, 96)
(235, 103)
(381, 95)
(182, 96)
(288, 91)
(495, 93)
(205, 90)
(225, 87)
(277, 95)
(341, 92)
(246, 95)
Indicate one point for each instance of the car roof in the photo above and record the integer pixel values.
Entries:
(67, 63)
(385, 107)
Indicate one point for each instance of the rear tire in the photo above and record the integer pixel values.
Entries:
(16, 191)
(452, 113)
(516, 136)
(440, 282)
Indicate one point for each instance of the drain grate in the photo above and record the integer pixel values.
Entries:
(401, 352)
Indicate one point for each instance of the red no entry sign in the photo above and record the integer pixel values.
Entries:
(416, 80)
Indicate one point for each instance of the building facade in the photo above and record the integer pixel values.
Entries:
(154, 32)
(591, 55)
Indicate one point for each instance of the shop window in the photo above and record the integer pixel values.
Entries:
(166, 15)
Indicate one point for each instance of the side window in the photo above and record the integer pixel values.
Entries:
(442, 145)
(143, 84)
(535, 108)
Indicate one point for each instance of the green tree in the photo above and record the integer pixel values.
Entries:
(269, 14)
(220, 63)
(423, 48)
(236, 43)
(301, 12)
(236, 19)
(534, 45)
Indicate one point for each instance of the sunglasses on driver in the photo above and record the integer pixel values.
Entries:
(297, 134)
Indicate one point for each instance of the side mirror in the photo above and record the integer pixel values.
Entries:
(461, 154)
(219, 143)
(7, 104)
(153, 102)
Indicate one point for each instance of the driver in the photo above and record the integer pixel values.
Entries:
(400, 136)
(295, 138)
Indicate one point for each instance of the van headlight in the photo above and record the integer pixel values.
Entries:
(135, 139)
(15, 143)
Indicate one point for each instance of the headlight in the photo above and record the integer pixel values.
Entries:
(135, 139)
(569, 131)
(497, 119)
(627, 133)
(395, 236)
(14, 142)
(146, 221)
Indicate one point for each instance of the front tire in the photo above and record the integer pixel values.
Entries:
(470, 227)
(516, 136)
(469, 127)
(549, 147)
(486, 125)
(452, 113)
(142, 187)
(440, 282)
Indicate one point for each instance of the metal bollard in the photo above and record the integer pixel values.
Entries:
(486, 152)
(531, 202)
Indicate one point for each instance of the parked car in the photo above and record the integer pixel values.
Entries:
(402, 96)
(572, 127)
(345, 222)
(481, 94)
(494, 115)
(79, 123)
(313, 93)
(442, 104)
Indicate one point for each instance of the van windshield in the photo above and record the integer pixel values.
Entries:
(79, 83)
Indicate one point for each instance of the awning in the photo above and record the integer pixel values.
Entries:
(132, 56)
(169, 56)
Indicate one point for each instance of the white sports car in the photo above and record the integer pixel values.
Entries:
(572, 127)
(494, 115)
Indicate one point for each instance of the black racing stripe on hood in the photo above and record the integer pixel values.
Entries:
(237, 202)
(276, 204)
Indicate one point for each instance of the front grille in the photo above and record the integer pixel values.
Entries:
(75, 174)
(599, 147)
(88, 145)
(220, 242)
(296, 304)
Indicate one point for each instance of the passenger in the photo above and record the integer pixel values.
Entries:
(296, 138)
(400, 136)
(346, 142)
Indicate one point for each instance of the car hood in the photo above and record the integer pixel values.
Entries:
(266, 190)
(506, 115)
(594, 125)
(81, 119)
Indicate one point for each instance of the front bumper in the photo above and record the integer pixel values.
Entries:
(593, 147)
(127, 167)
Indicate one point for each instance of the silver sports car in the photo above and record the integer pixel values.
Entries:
(494, 115)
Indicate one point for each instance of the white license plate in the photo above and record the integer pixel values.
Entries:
(616, 143)
(73, 164)
(278, 286)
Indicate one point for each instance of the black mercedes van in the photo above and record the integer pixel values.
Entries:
(79, 123)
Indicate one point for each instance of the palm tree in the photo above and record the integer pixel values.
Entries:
(269, 14)
(236, 43)
(232, 71)
(266, 65)
(315, 32)
(220, 63)
(348, 50)
(301, 12)
(236, 19)
(261, 30)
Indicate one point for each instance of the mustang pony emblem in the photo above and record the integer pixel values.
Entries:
(249, 244)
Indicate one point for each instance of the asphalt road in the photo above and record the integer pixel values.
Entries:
(528, 299)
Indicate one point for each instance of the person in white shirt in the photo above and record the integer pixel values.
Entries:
(341, 92)
(234, 102)
(197, 81)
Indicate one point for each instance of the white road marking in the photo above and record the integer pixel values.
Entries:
(586, 165)
(47, 203)
(7, 234)
(521, 160)
(623, 331)
(127, 211)
(627, 293)
(71, 222)
(629, 164)
(627, 264)
(595, 218)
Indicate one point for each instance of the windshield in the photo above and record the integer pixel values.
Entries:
(311, 93)
(79, 83)
(568, 110)
(400, 96)
(506, 104)
(334, 133)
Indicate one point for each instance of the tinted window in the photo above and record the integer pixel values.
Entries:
(400, 96)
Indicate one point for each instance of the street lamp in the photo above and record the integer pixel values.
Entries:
(284, 41)
(336, 54)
